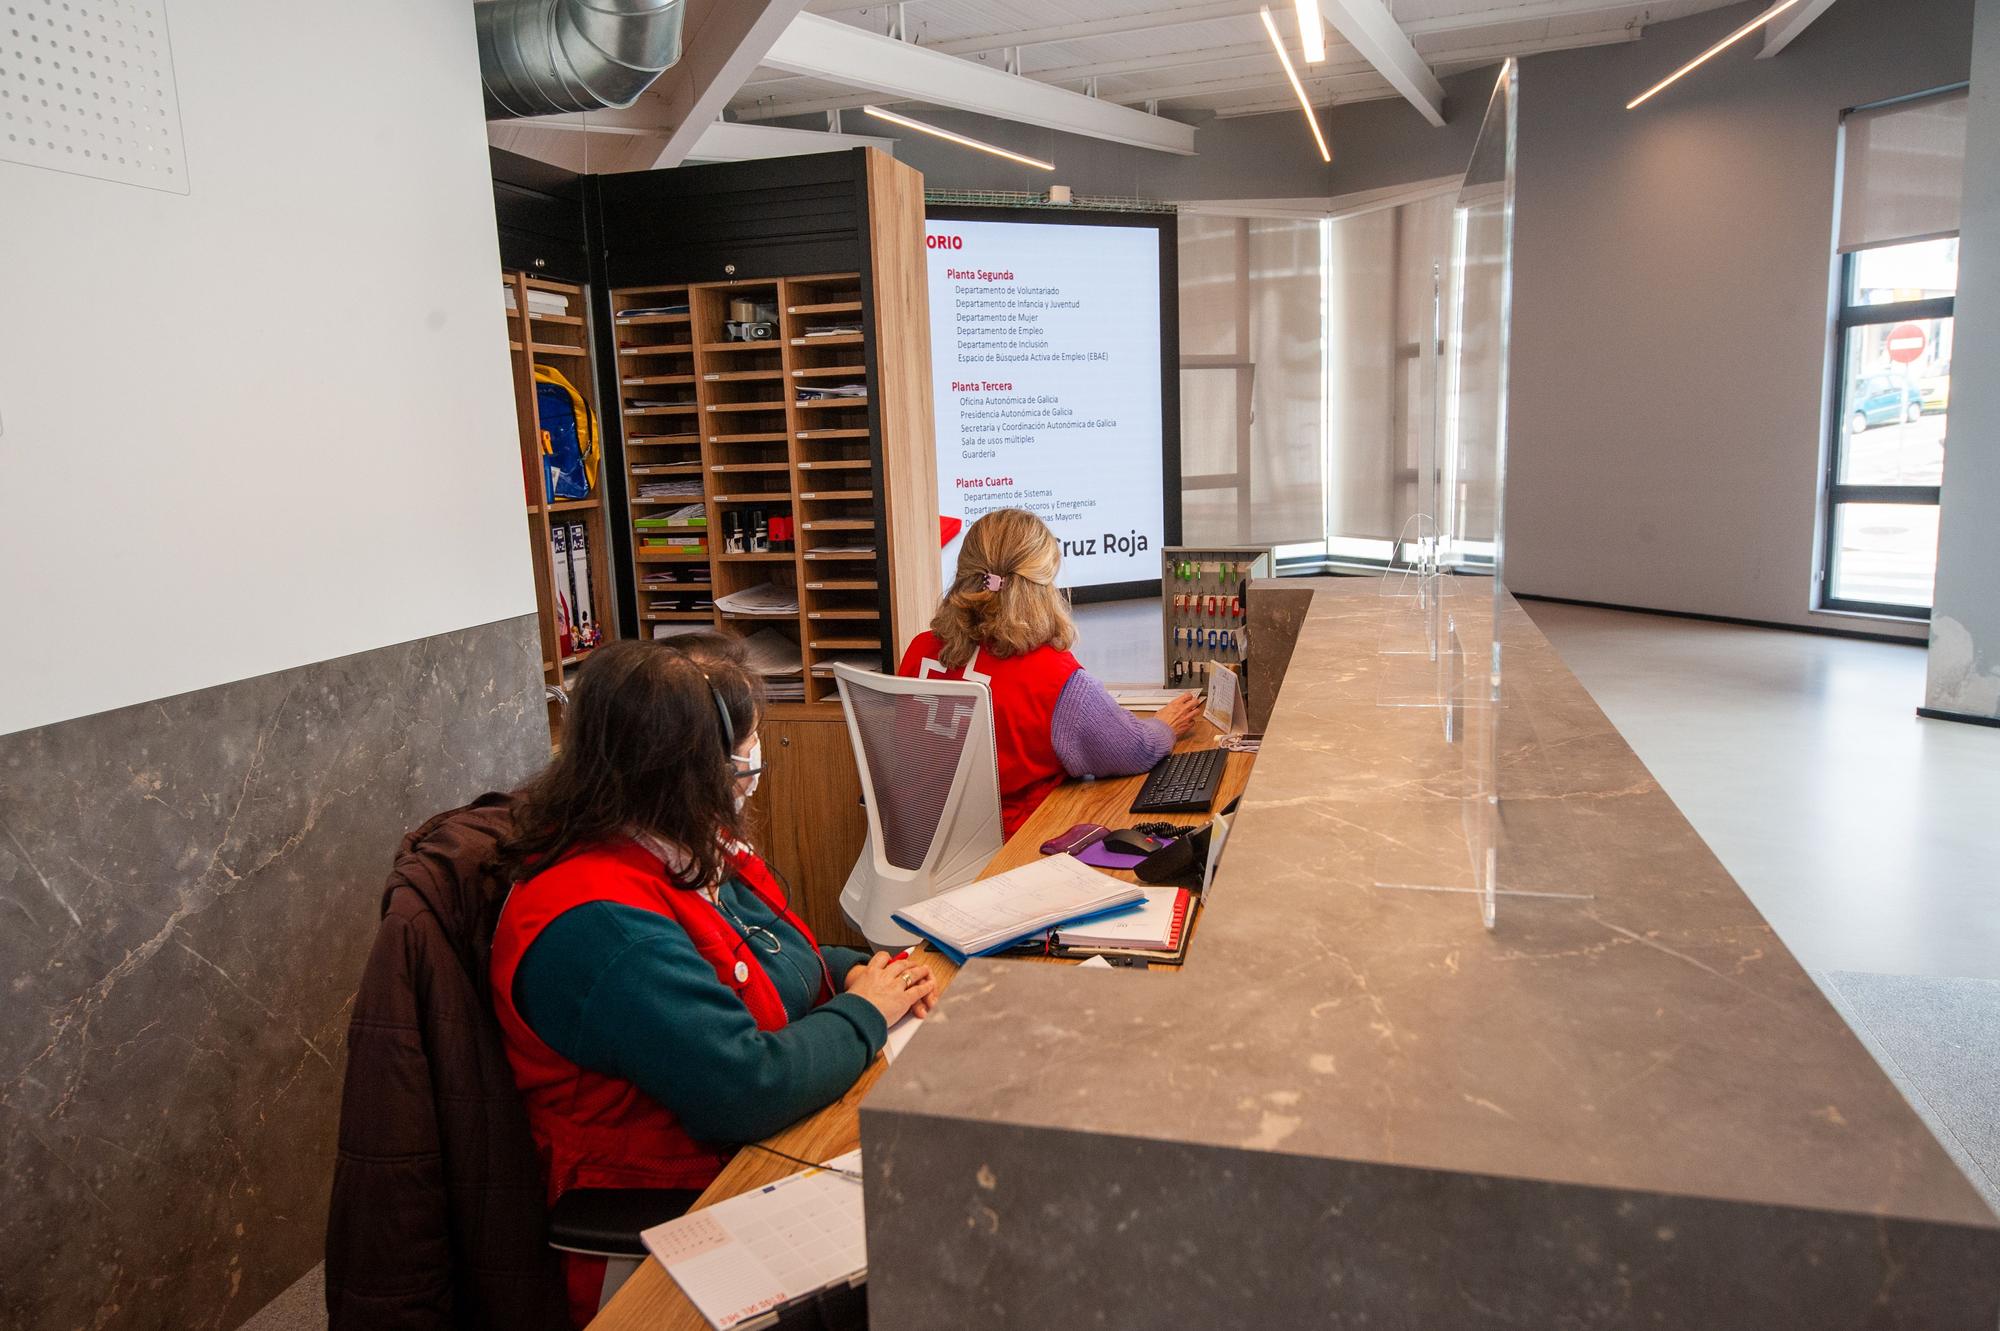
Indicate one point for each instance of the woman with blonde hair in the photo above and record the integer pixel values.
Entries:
(1004, 623)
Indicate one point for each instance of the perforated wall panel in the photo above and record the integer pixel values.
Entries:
(87, 87)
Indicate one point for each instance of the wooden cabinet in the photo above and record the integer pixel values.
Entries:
(809, 820)
(764, 334)
(548, 328)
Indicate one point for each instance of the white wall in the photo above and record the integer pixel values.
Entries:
(1671, 293)
(270, 421)
(1965, 628)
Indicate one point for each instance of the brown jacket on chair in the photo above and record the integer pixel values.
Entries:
(437, 1218)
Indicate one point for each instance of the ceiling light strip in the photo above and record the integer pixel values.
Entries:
(1714, 50)
(1305, 104)
(959, 139)
(1312, 32)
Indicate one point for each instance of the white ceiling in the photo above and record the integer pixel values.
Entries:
(1199, 56)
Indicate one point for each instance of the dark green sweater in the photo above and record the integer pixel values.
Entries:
(623, 992)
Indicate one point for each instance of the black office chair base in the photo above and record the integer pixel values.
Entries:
(606, 1222)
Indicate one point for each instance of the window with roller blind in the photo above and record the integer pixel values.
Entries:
(1308, 366)
(1901, 166)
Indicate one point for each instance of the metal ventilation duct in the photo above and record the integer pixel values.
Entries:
(548, 57)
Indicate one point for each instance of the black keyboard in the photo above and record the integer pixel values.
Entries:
(1182, 782)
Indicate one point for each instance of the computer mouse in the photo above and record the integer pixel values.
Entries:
(1131, 841)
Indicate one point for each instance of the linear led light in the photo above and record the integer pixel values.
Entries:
(1715, 50)
(959, 139)
(1312, 33)
(1305, 104)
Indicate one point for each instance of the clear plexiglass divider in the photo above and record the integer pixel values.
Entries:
(1440, 657)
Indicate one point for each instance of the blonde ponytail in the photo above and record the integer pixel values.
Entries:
(1003, 595)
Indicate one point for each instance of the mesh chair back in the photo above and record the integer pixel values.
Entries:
(914, 745)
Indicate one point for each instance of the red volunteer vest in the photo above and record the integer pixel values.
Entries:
(1025, 691)
(595, 1131)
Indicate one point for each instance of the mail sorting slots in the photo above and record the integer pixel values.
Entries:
(1203, 614)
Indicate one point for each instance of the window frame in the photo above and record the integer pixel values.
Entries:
(1836, 492)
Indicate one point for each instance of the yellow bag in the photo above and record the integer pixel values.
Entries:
(569, 446)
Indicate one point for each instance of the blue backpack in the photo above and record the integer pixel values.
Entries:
(569, 437)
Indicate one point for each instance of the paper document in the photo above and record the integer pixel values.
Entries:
(741, 1259)
(987, 915)
(768, 652)
(766, 598)
(1225, 700)
(900, 1034)
(1144, 700)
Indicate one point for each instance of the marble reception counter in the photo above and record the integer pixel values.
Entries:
(1625, 1105)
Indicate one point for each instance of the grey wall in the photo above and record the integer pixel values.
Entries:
(1671, 296)
(1965, 626)
(188, 889)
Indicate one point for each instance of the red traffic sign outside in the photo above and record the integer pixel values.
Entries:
(1905, 343)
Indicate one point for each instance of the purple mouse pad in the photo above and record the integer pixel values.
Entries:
(1099, 855)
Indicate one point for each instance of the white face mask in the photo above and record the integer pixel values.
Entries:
(753, 760)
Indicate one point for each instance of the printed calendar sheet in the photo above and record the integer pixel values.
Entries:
(745, 1257)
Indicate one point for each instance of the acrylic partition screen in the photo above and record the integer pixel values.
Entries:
(1440, 655)
(1471, 524)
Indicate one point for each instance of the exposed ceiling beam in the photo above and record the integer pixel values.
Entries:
(723, 42)
(1180, 15)
(1143, 64)
(565, 142)
(1370, 29)
(812, 106)
(824, 48)
(1777, 36)
(848, 6)
(1525, 11)
(1354, 78)
(1452, 61)
(1167, 17)
(1471, 57)
(1290, 104)
(725, 141)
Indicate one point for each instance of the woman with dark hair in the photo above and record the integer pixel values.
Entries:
(660, 1000)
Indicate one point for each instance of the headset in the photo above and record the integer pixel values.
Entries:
(746, 931)
(727, 726)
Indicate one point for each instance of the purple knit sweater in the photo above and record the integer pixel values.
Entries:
(1094, 736)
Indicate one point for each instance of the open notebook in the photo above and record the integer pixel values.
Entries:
(988, 915)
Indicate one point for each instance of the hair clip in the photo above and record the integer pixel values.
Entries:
(994, 582)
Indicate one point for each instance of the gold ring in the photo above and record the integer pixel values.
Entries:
(909, 978)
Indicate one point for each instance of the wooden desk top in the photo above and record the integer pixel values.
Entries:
(650, 1300)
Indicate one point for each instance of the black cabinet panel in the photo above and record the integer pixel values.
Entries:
(778, 218)
(539, 209)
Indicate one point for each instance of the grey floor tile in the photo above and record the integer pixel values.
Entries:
(1864, 834)
(300, 1308)
(1944, 1036)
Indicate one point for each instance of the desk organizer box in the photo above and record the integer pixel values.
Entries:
(1204, 616)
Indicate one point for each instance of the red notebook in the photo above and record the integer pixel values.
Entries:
(1156, 926)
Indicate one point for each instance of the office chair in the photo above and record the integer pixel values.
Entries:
(607, 1222)
(931, 784)
(433, 1134)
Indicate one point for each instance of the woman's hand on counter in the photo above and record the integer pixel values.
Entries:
(894, 986)
(1181, 714)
